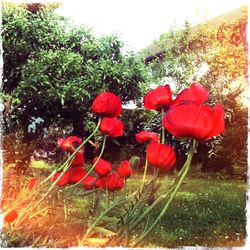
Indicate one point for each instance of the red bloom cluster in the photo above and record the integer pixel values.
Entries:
(111, 180)
(76, 171)
(188, 116)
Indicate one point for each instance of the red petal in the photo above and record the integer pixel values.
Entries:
(124, 169)
(145, 136)
(102, 167)
(11, 216)
(196, 93)
(111, 127)
(158, 97)
(189, 120)
(89, 182)
(63, 180)
(107, 104)
(68, 143)
(161, 155)
(218, 121)
(77, 173)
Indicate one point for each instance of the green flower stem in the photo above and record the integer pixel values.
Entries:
(149, 209)
(65, 167)
(100, 217)
(75, 152)
(162, 213)
(100, 155)
(162, 127)
(144, 174)
(156, 172)
(46, 194)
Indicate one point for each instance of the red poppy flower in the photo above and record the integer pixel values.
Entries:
(89, 182)
(194, 120)
(78, 160)
(70, 143)
(111, 182)
(77, 173)
(161, 155)
(32, 183)
(11, 216)
(101, 182)
(124, 169)
(63, 180)
(102, 167)
(111, 127)
(196, 93)
(157, 98)
(107, 104)
(145, 136)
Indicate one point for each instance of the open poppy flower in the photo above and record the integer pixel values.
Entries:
(102, 167)
(70, 143)
(89, 182)
(124, 169)
(111, 127)
(161, 155)
(194, 120)
(32, 183)
(107, 104)
(158, 97)
(145, 136)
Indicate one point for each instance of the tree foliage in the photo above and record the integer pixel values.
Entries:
(53, 69)
(215, 55)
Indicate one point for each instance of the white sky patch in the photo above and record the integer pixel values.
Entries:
(140, 22)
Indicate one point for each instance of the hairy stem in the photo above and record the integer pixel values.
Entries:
(166, 206)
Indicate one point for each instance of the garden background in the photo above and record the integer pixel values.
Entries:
(54, 69)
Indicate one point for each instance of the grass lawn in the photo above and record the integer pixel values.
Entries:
(205, 212)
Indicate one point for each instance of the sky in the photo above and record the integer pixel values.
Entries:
(140, 22)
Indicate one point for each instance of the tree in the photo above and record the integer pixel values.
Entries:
(221, 46)
(53, 70)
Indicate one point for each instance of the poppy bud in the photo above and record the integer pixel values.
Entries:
(107, 104)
